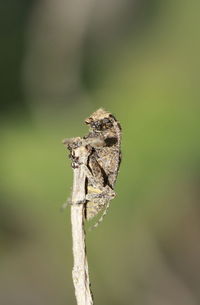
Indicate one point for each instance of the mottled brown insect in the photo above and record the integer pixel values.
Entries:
(103, 144)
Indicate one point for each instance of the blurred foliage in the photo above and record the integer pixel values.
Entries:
(147, 249)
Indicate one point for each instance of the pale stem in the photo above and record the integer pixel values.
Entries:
(80, 273)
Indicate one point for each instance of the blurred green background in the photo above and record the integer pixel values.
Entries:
(60, 61)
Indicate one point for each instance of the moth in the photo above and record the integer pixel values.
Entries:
(103, 144)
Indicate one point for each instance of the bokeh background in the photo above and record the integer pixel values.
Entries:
(60, 61)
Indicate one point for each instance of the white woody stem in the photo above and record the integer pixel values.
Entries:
(80, 273)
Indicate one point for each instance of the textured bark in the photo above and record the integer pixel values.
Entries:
(80, 273)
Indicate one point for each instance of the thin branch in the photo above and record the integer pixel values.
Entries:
(80, 273)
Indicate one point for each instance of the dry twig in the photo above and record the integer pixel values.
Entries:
(80, 271)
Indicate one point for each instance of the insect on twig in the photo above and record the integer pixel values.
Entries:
(95, 163)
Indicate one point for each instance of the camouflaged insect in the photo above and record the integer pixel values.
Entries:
(103, 143)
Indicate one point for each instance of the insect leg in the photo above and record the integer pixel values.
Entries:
(102, 217)
(65, 205)
(103, 194)
(90, 177)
